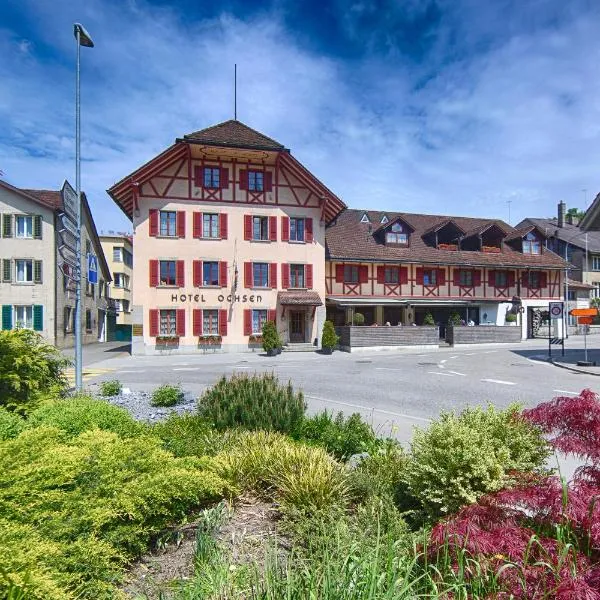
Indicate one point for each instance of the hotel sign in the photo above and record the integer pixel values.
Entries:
(200, 298)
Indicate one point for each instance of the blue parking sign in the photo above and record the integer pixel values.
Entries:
(92, 269)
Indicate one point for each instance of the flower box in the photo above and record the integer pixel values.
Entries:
(167, 339)
(491, 249)
(453, 247)
(255, 339)
(210, 340)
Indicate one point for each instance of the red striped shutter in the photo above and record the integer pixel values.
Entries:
(153, 314)
(285, 276)
(308, 276)
(511, 278)
(223, 226)
(181, 224)
(198, 179)
(180, 322)
(272, 315)
(247, 227)
(268, 181)
(380, 274)
(180, 274)
(197, 273)
(543, 280)
(476, 277)
(153, 273)
(456, 279)
(243, 179)
(419, 276)
(285, 229)
(153, 222)
(222, 322)
(247, 321)
(441, 276)
(273, 275)
(224, 179)
(248, 275)
(525, 280)
(223, 273)
(403, 275)
(363, 274)
(308, 229)
(197, 322)
(197, 225)
(339, 273)
(492, 278)
(273, 229)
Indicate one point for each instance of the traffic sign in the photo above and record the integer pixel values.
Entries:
(584, 312)
(68, 224)
(556, 310)
(69, 198)
(92, 269)
(69, 271)
(67, 239)
(585, 320)
(68, 254)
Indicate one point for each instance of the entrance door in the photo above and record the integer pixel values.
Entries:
(297, 326)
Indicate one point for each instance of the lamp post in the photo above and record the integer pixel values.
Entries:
(83, 39)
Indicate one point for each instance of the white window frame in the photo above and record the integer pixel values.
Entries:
(23, 260)
(258, 312)
(28, 309)
(595, 263)
(210, 321)
(26, 219)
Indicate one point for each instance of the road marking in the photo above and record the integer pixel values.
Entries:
(186, 369)
(540, 361)
(470, 353)
(438, 373)
(133, 371)
(457, 373)
(566, 392)
(500, 381)
(454, 357)
(490, 352)
(388, 369)
(180, 364)
(443, 361)
(370, 409)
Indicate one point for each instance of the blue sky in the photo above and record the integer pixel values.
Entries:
(439, 106)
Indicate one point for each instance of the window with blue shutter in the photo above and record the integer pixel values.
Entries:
(38, 317)
(7, 316)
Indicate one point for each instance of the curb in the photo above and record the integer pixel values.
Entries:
(564, 366)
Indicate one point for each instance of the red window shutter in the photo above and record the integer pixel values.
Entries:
(441, 276)
(247, 227)
(273, 275)
(309, 276)
(153, 273)
(308, 230)
(222, 322)
(511, 278)
(197, 322)
(180, 322)
(543, 280)
(273, 229)
(380, 274)
(420, 276)
(285, 229)
(197, 225)
(247, 274)
(476, 277)
(268, 181)
(247, 321)
(243, 179)
(197, 273)
(285, 276)
(153, 222)
(154, 330)
(403, 275)
(223, 226)
(198, 179)
(363, 274)
(339, 273)
(272, 315)
(492, 278)
(224, 180)
(181, 223)
(223, 273)
(180, 274)
(456, 279)
(525, 280)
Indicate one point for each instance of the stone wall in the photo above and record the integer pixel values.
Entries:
(374, 337)
(483, 334)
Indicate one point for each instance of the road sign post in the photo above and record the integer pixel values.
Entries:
(556, 313)
(92, 268)
(585, 316)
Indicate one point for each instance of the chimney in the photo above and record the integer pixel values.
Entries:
(562, 209)
(572, 220)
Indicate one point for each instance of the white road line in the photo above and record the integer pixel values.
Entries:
(370, 409)
(134, 371)
(388, 369)
(180, 364)
(566, 392)
(454, 357)
(457, 373)
(443, 361)
(186, 369)
(489, 351)
(438, 373)
(499, 381)
(470, 353)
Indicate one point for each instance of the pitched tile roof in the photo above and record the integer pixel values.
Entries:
(299, 298)
(234, 134)
(349, 239)
(567, 233)
(50, 198)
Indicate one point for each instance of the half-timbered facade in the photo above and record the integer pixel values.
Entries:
(229, 231)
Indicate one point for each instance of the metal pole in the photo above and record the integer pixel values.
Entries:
(78, 351)
(566, 319)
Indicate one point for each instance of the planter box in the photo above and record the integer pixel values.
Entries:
(353, 336)
(167, 343)
(483, 334)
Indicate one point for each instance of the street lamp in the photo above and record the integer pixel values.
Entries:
(83, 39)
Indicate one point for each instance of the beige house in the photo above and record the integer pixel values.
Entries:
(118, 250)
(35, 292)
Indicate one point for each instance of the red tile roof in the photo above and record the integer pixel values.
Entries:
(234, 134)
(50, 198)
(349, 239)
(299, 298)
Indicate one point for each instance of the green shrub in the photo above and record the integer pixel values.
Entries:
(358, 319)
(454, 318)
(256, 402)
(457, 459)
(80, 413)
(511, 318)
(428, 319)
(270, 337)
(329, 338)
(11, 424)
(110, 388)
(341, 436)
(29, 369)
(166, 395)
(188, 435)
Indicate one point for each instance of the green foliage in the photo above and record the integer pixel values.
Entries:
(329, 338)
(256, 402)
(29, 369)
(110, 388)
(454, 318)
(428, 319)
(358, 319)
(80, 413)
(341, 436)
(11, 424)
(166, 395)
(511, 318)
(460, 458)
(77, 509)
(270, 337)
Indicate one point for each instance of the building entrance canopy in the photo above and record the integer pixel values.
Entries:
(300, 298)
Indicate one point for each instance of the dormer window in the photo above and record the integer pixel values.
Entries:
(396, 235)
(531, 244)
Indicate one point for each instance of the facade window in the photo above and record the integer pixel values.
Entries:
(531, 245)
(167, 272)
(168, 223)
(210, 322)
(429, 277)
(260, 274)
(23, 317)
(23, 226)
(296, 229)
(210, 226)
(23, 270)
(572, 296)
(350, 274)
(466, 278)
(88, 247)
(88, 320)
(119, 305)
(260, 228)
(500, 279)
(121, 280)
(125, 304)
(396, 235)
(167, 322)
(117, 254)
(256, 181)
(297, 276)
(210, 273)
(596, 291)
(69, 319)
(391, 275)
(595, 263)
(534, 279)
(259, 318)
(212, 177)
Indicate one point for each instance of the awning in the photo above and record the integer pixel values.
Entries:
(299, 298)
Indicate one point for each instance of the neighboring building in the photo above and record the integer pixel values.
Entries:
(229, 231)
(34, 292)
(118, 250)
(397, 267)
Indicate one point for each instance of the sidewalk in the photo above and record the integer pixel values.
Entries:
(573, 355)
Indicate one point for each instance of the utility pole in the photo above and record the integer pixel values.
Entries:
(509, 202)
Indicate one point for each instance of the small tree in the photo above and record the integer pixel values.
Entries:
(270, 336)
(428, 320)
(329, 338)
(359, 319)
(454, 318)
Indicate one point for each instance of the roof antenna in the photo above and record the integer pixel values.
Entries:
(235, 91)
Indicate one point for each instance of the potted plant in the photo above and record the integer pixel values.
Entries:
(329, 339)
(428, 319)
(359, 319)
(169, 341)
(454, 319)
(510, 319)
(270, 338)
(255, 338)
